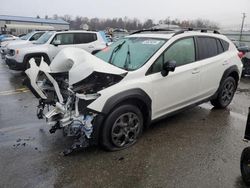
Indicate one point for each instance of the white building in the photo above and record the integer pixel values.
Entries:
(21, 25)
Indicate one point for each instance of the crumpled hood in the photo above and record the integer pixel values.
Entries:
(80, 64)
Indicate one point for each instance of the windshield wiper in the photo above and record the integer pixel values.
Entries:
(118, 47)
(128, 59)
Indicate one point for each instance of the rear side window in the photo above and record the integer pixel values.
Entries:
(225, 45)
(82, 38)
(207, 47)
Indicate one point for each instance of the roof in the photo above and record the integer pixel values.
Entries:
(153, 35)
(34, 20)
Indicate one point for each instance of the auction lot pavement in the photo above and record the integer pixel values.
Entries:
(200, 147)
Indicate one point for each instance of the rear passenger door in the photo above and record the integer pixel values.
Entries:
(213, 60)
(86, 41)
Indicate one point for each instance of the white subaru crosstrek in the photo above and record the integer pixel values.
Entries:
(111, 97)
(49, 44)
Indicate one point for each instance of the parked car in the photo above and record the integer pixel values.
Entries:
(245, 50)
(245, 155)
(111, 97)
(26, 39)
(49, 44)
(7, 37)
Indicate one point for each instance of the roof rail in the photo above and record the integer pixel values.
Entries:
(151, 30)
(202, 30)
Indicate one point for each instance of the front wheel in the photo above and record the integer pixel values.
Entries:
(225, 94)
(245, 165)
(122, 127)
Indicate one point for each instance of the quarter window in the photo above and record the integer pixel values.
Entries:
(220, 47)
(225, 45)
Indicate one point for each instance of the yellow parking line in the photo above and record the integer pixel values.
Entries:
(12, 92)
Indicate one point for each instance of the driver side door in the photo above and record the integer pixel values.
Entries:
(181, 87)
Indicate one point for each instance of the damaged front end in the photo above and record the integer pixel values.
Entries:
(67, 87)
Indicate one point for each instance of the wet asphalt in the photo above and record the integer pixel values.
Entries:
(199, 147)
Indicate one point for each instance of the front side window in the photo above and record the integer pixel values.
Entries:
(131, 53)
(182, 51)
(64, 38)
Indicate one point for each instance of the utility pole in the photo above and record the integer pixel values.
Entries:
(242, 25)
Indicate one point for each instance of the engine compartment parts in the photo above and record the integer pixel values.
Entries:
(64, 92)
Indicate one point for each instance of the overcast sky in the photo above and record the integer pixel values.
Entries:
(224, 12)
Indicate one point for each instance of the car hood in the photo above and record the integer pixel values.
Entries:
(18, 42)
(79, 64)
(14, 46)
(4, 43)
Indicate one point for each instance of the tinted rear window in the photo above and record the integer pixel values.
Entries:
(220, 47)
(207, 47)
(81, 38)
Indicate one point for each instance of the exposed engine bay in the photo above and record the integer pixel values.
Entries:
(66, 87)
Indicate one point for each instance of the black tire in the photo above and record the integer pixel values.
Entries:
(226, 93)
(122, 128)
(245, 165)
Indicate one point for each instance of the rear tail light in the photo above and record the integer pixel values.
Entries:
(241, 54)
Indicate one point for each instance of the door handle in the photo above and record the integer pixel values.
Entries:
(91, 46)
(195, 71)
(225, 63)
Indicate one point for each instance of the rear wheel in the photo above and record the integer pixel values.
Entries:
(122, 127)
(245, 165)
(225, 94)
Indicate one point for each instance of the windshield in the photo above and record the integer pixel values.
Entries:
(27, 36)
(131, 53)
(44, 38)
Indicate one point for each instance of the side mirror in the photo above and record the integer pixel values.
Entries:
(56, 42)
(168, 66)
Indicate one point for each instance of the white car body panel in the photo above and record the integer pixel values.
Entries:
(52, 50)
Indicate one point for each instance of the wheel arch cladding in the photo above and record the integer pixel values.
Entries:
(232, 71)
(137, 97)
(46, 57)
